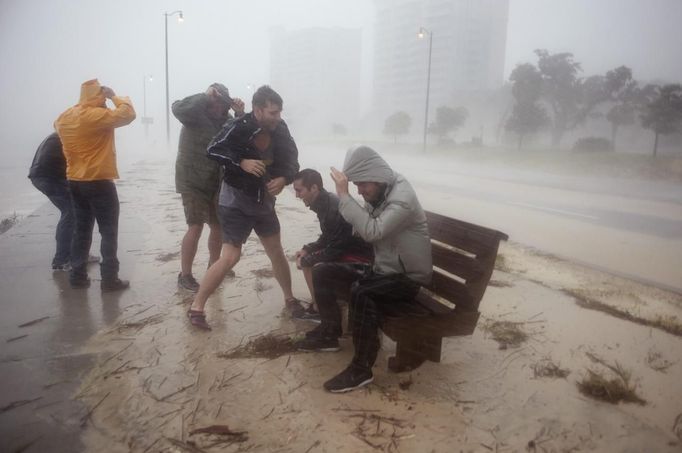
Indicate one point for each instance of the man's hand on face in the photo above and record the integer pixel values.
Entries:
(238, 106)
(276, 185)
(341, 182)
(254, 166)
(108, 92)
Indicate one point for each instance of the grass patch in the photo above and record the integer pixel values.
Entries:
(8, 222)
(506, 333)
(547, 368)
(500, 284)
(668, 324)
(613, 386)
(265, 346)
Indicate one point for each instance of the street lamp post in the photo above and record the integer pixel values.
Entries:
(180, 19)
(145, 119)
(422, 32)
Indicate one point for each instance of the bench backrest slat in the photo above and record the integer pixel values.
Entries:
(469, 252)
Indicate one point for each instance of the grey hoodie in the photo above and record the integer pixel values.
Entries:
(397, 227)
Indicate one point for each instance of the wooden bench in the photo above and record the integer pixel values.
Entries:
(463, 261)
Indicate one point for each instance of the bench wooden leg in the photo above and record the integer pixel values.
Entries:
(411, 352)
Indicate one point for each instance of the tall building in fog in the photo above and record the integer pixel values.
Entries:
(469, 40)
(317, 72)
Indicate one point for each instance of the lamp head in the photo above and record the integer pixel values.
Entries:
(181, 18)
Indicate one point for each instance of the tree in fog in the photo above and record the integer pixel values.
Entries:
(623, 92)
(447, 120)
(397, 124)
(527, 116)
(339, 129)
(560, 90)
(662, 111)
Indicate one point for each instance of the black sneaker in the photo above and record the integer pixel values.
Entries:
(319, 344)
(188, 282)
(349, 379)
(307, 314)
(65, 267)
(114, 285)
(78, 283)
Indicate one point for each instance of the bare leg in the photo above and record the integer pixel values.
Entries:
(308, 275)
(214, 243)
(280, 265)
(188, 249)
(215, 274)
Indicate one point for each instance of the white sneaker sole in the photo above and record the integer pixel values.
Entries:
(348, 389)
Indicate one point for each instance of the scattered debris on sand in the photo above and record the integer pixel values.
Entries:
(506, 333)
(614, 389)
(263, 273)
(166, 257)
(264, 346)
(547, 368)
(8, 222)
(657, 362)
(668, 324)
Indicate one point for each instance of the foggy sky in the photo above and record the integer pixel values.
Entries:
(47, 48)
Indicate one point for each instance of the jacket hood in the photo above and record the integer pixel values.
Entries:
(91, 94)
(363, 164)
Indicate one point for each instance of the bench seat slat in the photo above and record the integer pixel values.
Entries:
(452, 291)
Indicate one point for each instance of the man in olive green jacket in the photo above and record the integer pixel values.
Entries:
(197, 178)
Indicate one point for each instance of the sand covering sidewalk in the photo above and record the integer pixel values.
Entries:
(546, 326)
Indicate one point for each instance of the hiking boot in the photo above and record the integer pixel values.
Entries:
(64, 267)
(78, 283)
(188, 282)
(114, 285)
(307, 314)
(349, 379)
(319, 344)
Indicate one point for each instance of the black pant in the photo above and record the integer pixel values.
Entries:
(95, 200)
(57, 190)
(372, 297)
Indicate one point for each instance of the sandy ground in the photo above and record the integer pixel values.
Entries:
(156, 379)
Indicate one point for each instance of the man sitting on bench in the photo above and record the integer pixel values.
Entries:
(335, 251)
(394, 222)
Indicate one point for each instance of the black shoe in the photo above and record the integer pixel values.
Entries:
(307, 314)
(349, 379)
(188, 282)
(114, 285)
(78, 283)
(319, 344)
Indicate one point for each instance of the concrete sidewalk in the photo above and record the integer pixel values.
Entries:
(43, 329)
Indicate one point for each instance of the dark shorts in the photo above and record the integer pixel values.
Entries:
(199, 209)
(237, 226)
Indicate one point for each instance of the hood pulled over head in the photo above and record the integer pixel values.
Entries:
(363, 164)
(91, 93)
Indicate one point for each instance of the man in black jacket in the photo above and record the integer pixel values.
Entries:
(48, 174)
(259, 157)
(336, 246)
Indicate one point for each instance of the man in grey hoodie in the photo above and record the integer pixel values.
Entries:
(393, 221)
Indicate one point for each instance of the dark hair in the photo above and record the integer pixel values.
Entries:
(265, 94)
(308, 177)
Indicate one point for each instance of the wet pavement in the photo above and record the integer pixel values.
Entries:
(42, 330)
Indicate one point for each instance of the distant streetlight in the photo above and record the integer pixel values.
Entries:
(180, 19)
(423, 31)
(145, 119)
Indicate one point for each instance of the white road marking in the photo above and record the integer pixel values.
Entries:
(558, 211)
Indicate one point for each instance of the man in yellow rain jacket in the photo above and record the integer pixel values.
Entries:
(87, 134)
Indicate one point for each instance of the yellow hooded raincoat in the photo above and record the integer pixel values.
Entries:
(87, 133)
